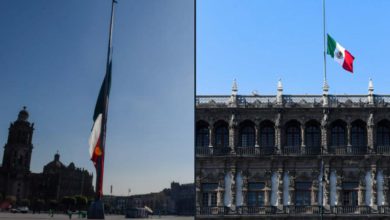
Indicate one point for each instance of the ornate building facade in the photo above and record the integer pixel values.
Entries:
(56, 180)
(293, 156)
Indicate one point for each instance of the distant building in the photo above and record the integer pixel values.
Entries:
(56, 180)
(178, 200)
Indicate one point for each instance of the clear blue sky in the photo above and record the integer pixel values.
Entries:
(52, 59)
(258, 42)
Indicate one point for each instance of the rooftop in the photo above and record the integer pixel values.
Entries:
(290, 101)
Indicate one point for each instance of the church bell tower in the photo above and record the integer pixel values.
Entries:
(17, 151)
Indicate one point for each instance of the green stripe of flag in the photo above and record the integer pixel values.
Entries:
(331, 46)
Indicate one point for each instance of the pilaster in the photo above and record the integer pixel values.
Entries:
(211, 135)
(221, 190)
(349, 134)
(370, 133)
(302, 137)
(233, 133)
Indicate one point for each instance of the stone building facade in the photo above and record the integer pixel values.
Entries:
(56, 180)
(177, 200)
(293, 156)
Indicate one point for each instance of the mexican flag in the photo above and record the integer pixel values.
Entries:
(340, 54)
(97, 138)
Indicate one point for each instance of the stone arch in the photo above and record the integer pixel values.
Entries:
(202, 133)
(221, 133)
(246, 134)
(338, 133)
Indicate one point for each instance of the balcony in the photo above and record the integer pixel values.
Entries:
(253, 210)
(302, 210)
(383, 149)
(384, 210)
(347, 150)
(292, 210)
(212, 151)
(255, 151)
(350, 210)
(216, 210)
(298, 150)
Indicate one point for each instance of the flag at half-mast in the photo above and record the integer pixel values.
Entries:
(340, 54)
(96, 140)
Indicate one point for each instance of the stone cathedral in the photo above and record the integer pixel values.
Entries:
(292, 156)
(56, 180)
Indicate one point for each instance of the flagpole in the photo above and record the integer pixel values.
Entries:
(96, 210)
(99, 181)
(324, 33)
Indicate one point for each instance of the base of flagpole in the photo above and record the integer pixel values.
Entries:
(96, 210)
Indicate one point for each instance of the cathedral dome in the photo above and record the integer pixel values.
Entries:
(23, 114)
(55, 164)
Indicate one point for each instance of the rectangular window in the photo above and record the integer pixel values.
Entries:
(256, 194)
(350, 193)
(209, 195)
(302, 193)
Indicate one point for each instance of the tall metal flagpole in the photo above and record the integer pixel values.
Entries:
(323, 20)
(96, 210)
(325, 88)
(99, 181)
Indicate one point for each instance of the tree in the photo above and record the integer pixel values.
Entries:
(11, 200)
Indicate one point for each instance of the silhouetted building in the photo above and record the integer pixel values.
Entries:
(56, 180)
(178, 200)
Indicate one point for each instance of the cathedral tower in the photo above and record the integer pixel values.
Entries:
(17, 155)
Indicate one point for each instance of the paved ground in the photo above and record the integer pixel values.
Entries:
(18, 216)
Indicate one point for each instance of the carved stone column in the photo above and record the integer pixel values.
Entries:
(349, 134)
(233, 188)
(268, 188)
(370, 133)
(362, 188)
(315, 188)
(233, 133)
(257, 131)
(280, 187)
(291, 189)
(278, 133)
(373, 186)
(324, 132)
(302, 137)
(198, 191)
(278, 138)
(385, 188)
(221, 190)
(244, 189)
(211, 135)
(326, 187)
(339, 180)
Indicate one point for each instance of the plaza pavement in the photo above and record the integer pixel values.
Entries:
(19, 216)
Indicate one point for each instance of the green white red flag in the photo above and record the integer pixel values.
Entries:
(97, 138)
(340, 54)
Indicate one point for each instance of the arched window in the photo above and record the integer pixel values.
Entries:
(247, 135)
(267, 135)
(202, 135)
(293, 134)
(383, 133)
(338, 134)
(358, 134)
(221, 135)
(313, 136)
